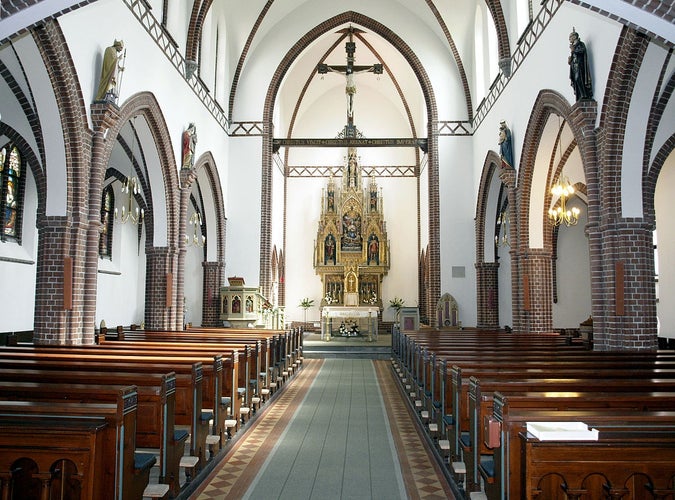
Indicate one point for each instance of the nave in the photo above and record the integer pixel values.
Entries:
(340, 429)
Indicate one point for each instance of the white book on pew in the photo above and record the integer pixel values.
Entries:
(562, 431)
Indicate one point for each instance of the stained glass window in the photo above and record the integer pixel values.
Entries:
(107, 207)
(11, 170)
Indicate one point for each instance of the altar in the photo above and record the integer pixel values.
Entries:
(337, 318)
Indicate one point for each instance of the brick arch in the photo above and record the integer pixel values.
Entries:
(207, 163)
(490, 168)
(532, 280)
(60, 67)
(212, 276)
(651, 177)
(432, 114)
(487, 273)
(650, 172)
(504, 47)
(194, 33)
(162, 262)
(548, 103)
(31, 161)
(65, 236)
(623, 74)
(146, 106)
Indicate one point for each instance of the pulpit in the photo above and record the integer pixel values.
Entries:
(244, 306)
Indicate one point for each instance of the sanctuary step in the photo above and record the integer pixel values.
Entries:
(347, 347)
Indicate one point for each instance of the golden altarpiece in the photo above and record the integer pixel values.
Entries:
(352, 249)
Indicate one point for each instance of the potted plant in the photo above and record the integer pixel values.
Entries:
(396, 303)
(306, 303)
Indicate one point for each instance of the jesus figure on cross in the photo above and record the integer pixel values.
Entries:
(349, 71)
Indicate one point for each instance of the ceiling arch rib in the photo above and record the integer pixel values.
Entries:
(387, 69)
(272, 16)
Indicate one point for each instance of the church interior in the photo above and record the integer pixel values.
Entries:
(413, 175)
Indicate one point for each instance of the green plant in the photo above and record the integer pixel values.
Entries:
(306, 303)
(396, 303)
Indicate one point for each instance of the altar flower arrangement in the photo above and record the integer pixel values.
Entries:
(330, 299)
(373, 299)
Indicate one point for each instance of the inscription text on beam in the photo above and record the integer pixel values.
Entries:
(351, 142)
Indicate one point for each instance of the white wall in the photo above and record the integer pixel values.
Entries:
(665, 228)
(458, 207)
(573, 273)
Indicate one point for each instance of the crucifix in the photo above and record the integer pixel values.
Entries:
(349, 70)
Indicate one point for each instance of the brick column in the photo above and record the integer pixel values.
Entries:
(536, 292)
(59, 276)
(213, 281)
(160, 290)
(627, 286)
(487, 279)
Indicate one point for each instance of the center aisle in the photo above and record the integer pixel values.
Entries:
(340, 430)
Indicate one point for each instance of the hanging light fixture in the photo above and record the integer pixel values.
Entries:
(562, 215)
(197, 239)
(502, 233)
(130, 211)
(563, 190)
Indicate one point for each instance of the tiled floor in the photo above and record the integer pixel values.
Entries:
(339, 430)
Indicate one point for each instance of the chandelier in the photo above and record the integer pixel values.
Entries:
(197, 239)
(130, 211)
(563, 190)
(562, 215)
(502, 236)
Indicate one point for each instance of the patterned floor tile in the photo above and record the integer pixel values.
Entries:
(233, 475)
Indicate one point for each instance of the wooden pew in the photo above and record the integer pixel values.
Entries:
(549, 396)
(626, 463)
(155, 419)
(119, 472)
(253, 354)
(504, 476)
(578, 380)
(189, 382)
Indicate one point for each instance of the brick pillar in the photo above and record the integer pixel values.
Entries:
(161, 303)
(629, 313)
(434, 254)
(213, 281)
(536, 292)
(59, 281)
(104, 116)
(508, 177)
(487, 279)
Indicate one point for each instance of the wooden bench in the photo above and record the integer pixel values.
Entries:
(189, 383)
(551, 396)
(31, 446)
(253, 355)
(155, 418)
(423, 368)
(626, 463)
(503, 474)
(457, 421)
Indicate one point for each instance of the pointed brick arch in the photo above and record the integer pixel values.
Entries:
(432, 114)
(487, 277)
(162, 262)
(62, 316)
(212, 271)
